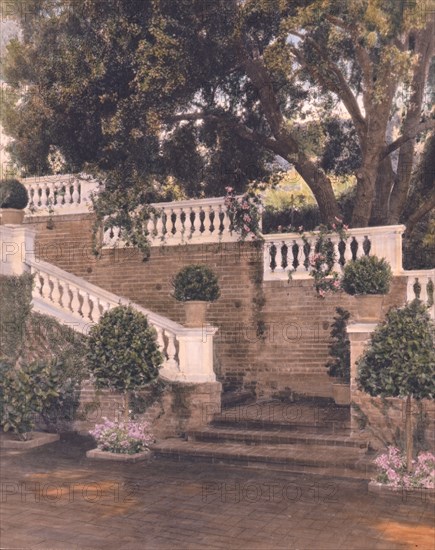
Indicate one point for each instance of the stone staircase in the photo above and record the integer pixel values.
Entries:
(306, 437)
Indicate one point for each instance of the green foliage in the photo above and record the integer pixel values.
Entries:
(400, 358)
(196, 282)
(13, 194)
(339, 349)
(24, 392)
(367, 275)
(123, 353)
(15, 307)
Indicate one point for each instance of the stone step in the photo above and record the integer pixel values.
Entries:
(346, 463)
(311, 416)
(273, 436)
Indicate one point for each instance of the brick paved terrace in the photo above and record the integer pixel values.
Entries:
(54, 498)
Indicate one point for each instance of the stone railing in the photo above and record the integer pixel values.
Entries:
(184, 222)
(188, 352)
(421, 284)
(59, 195)
(287, 251)
(174, 223)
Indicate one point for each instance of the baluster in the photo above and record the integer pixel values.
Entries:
(171, 351)
(424, 294)
(307, 250)
(410, 290)
(44, 196)
(161, 340)
(272, 253)
(160, 225)
(38, 283)
(86, 306)
(31, 191)
(46, 289)
(76, 193)
(177, 225)
(211, 218)
(367, 245)
(75, 300)
(430, 292)
(295, 253)
(354, 247)
(284, 256)
(55, 294)
(201, 220)
(193, 219)
(223, 229)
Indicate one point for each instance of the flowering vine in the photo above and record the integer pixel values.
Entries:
(324, 256)
(245, 213)
(393, 472)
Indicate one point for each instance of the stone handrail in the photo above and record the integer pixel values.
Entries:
(188, 352)
(287, 251)
(421, 284)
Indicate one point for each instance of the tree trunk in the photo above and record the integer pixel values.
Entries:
(365, 193)
(384, 184)
(408, 432)
(126, 410)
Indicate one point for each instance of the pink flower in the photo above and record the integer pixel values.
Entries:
(334, 226)
(301, 228)
(346, 227)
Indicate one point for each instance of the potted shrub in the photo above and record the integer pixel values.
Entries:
(400, 361)
(339, 365)
(123, 356)
(196, 286)
(13, 201)
(368, 279)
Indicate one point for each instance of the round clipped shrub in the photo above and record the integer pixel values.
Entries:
(196, 282)
(367, 275)
(123, 353)
(13, 194)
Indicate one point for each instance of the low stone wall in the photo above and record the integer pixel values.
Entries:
(383, 421)
(170, 408)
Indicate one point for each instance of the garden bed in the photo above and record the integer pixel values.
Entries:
(120, 457)
(36, 439)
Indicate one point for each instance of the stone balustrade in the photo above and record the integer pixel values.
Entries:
(59, 195)
(421, 284)
(284, 252)
(184, 222)
(188, 352)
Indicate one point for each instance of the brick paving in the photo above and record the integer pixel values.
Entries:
(55, 498)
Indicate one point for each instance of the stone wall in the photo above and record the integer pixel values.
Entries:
(171, 410)
(273, 336)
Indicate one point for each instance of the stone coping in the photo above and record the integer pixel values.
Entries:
(119, 457)
(380, 489)
(38, 439)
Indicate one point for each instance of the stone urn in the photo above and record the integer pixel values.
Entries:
(341, 392)
(195, 313)
(11, 216)
(369, 308)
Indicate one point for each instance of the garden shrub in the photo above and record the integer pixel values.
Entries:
(339, 350)
(13, 194)
(367, 275)
(196, 282)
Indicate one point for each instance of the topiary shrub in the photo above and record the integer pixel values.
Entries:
(400, 360)
(367, 275)
(339, 350)
(123, 353)
(13, 194)
(196, 282)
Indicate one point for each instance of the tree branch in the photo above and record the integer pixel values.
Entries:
(427, 205)
(397, 143)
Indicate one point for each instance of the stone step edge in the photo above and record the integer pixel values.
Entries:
(183, 448)
(327, 440)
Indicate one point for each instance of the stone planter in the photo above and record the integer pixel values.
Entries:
(423, 495)
(118, 457)
(368, 308)
(195, 313)
(11, 216)
(341, 392)
(36, 439)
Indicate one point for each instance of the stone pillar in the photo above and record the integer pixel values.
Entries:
(17, 246)
(359, 335)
